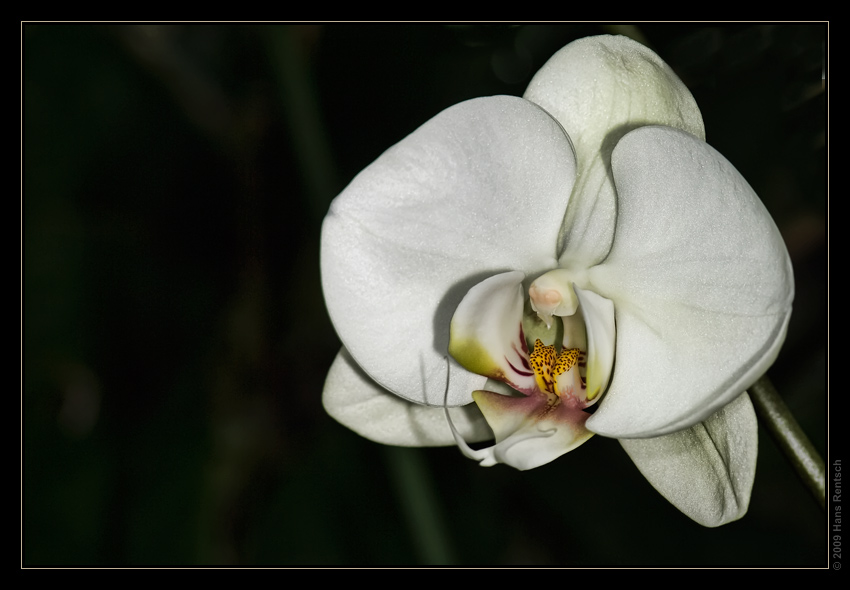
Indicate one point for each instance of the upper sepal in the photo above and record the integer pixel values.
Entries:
(600, 88)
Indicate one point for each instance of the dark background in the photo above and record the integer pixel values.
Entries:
(175, 340)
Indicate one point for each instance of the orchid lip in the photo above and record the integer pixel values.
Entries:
(546, 417)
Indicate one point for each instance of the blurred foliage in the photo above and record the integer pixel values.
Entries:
(174, 334)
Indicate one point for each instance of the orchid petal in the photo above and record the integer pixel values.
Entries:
(477, 190)
(599, 89)
(701, 282)
(486, 331)
(598, 315)
(706, 471)
(355, 401)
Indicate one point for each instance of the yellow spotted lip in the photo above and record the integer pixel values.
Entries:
(548, 364)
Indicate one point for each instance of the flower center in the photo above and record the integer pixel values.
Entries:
(552, 294)
(582, 368)
(558, 373)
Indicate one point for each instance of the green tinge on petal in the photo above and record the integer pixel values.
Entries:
(474, 356)
(598, 313)
(485, 335)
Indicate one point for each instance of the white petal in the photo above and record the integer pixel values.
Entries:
(357, 402)
(600, 88)
(486, 331)
(479, 189)
(707, 471)
(598, 315)
(701, 283)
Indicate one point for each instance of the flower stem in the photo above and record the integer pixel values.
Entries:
(299, 99)
(420, 506)
(777, 417)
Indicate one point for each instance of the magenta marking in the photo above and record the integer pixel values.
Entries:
(517, 371)
(522, 339)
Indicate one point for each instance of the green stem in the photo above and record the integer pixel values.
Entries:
(299, 100)
(777, 417)
(415, 492)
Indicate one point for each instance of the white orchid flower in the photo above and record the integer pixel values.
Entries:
(580, 246)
